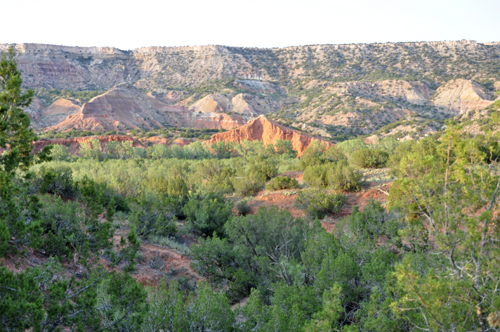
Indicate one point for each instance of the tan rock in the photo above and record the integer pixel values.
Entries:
(461, 96)
(58, 111)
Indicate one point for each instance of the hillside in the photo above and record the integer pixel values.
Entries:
(336, 91)
(125, 107)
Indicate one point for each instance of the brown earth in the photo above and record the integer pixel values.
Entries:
(267, 131)
(374, 189)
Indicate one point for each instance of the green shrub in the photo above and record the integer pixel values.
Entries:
(317, 175)
(313, 155)
(247, 186)
(344, 177)
(175, 186)
(264, 169)
(282, 182)
(366, 158)
(243, 207)
(61, 224)
(207, 214)
(60, 153)
(318, 204)
(56, 181)
(151, 217)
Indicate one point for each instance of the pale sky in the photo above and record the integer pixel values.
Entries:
(129, 24)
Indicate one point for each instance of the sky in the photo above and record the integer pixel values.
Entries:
(130, 24)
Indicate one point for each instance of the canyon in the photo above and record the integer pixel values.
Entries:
(334, 91)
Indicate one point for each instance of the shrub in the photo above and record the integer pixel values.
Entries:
(370, 158)
(60, 153)
(313, 155)
(151, 217)
(56, 181)
(318, 204)
(264, 169)
(282, 182)
(344, 177)
(175, 186)
(244, 186)
(317, 175)
(208, 214)
(61, 225)
(243, 207)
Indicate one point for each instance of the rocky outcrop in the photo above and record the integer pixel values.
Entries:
(58, 111)
(35, 111)
(74, 143)
(125, 107)
(267, 131)
(213, 103)
(461, 96)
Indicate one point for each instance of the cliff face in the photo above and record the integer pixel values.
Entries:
(268, 132)
(100, 68)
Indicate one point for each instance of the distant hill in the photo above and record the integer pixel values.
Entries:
(336, 91)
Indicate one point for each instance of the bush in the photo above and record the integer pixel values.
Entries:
(60, 153)
(175, 186)
(151, 217)
(317, 175)
(248, 185)
(370, 158)
(243, 207)
(208, 214)
(56, 181)
(318, 204)
(313, 155)
(61, 225)
(264, 169)
(344, 177)
(282, 182)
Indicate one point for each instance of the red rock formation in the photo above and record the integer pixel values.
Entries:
(74, 142)
(268, 132)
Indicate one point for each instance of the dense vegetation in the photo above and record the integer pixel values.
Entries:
(427, 261)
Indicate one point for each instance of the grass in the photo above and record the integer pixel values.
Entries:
(171, 243)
